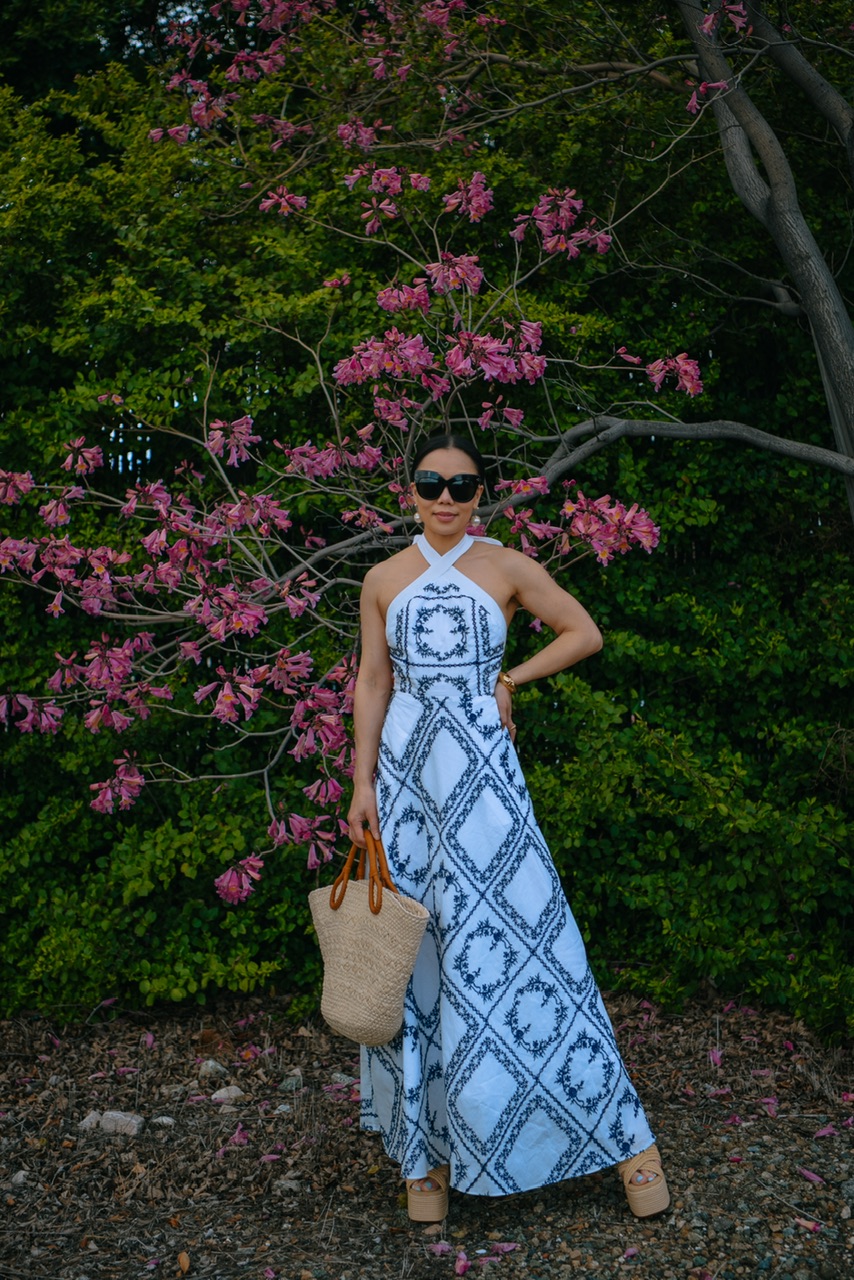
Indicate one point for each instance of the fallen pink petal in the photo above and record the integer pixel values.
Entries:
(809, 1175)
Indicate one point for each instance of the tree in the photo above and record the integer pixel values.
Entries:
(193, 294)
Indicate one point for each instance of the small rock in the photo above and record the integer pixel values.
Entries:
(290, 1084)
(122, 1122)
(283, 1185)
(230, 1093)
(212, 1070)
(165, 1122)
(19, 1178)
(338, 1077)
(91, 1121)
(283, 1109)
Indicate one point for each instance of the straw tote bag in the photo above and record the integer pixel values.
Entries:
(369, 940)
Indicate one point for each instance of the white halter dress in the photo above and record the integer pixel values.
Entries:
(506, 1067)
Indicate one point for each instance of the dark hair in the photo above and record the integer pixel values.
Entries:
(449, 441)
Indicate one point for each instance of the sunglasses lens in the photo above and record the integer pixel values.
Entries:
(429, 485)
(463, 488)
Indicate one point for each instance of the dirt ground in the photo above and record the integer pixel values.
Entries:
(275, 1181)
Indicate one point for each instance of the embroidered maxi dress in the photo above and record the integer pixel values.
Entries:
(506, 1067)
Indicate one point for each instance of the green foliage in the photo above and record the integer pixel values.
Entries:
(95, 912)
(693, 781)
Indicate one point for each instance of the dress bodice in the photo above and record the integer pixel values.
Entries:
(445, 634)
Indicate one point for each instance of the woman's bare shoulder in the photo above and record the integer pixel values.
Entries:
(390, 569)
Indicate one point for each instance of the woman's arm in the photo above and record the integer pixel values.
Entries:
(370, 702)
(576, 634)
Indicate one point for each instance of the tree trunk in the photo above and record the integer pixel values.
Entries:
(768, 191)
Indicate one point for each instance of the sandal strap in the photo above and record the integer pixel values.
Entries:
(649, 1160)
(441, 1176)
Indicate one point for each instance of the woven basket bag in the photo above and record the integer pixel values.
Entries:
(369, 940)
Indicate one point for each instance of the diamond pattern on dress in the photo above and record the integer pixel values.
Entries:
(506, 1066)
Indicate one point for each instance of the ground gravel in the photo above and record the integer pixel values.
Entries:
(236, 1153)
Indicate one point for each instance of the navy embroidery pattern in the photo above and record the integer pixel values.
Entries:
(506, 1066)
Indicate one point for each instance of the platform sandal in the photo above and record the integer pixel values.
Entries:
(645, 1198)
(429, 1205)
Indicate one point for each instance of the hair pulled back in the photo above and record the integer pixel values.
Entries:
(449, 441)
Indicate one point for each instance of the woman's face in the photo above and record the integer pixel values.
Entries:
(444, 515)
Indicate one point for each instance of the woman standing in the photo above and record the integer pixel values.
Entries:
(505, 1075)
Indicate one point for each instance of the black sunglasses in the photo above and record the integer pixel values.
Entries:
(430, 485)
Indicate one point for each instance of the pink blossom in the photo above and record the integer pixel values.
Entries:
(472, 197)
(179, 133)
(386, 180)
(13, 486)
(363, 518)
(396, 355)
(374, 208)
(356, 133)
(337, 282)
(419, 181)
(125, 786)
(682, 367)
(452, 273)
(82, 460)
(236, 434)
(284, 201)
(412, 297)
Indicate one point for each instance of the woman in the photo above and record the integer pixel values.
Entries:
(505, 1076)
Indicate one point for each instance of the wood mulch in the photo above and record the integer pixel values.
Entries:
(754, 1119)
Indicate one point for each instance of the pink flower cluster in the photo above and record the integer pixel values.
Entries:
(388, 181)
(355, 133)
(37, 715)
(510, 359)
(82, 460)
(609, 528)
(14, 485)
(321, 843)
(319, 464)
(237, 435)
(473, 197)
(123, 787)
(55, 512)
(701, 91)
(685, 370)
(235, 885)
(412, 297)
(396, 355)
(555, 215)
(734, 12)
(284, 201)
(451, 273)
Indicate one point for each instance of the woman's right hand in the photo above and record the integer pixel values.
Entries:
(363, 812)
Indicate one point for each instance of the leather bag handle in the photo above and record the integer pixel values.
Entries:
(379, 877)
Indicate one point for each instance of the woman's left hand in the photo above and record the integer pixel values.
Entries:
(505, 708)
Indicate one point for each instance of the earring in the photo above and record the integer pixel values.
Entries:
(419, 519)
(476, 519)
